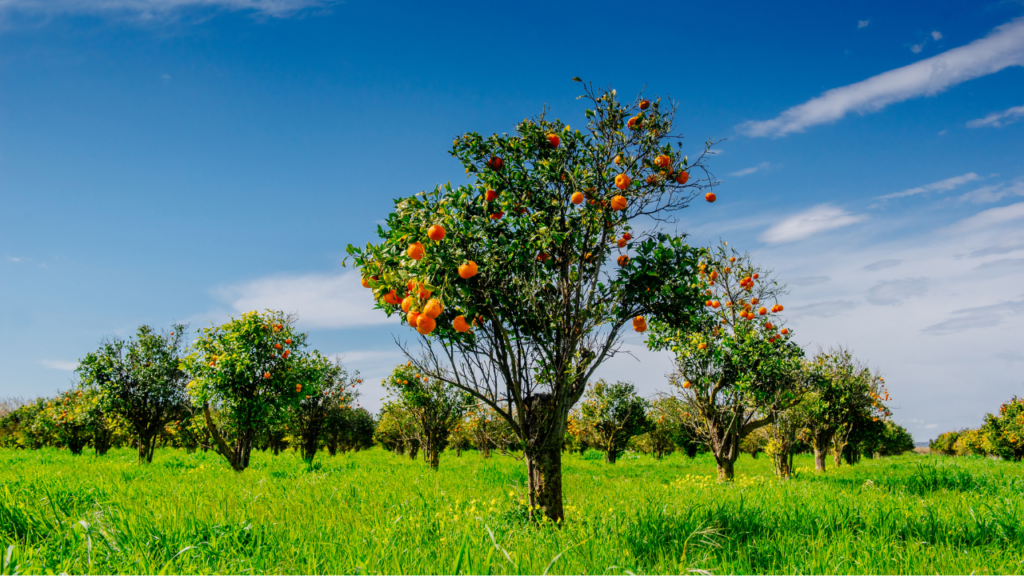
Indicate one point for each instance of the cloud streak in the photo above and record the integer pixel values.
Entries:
(818, 219)
(153, 8)
(751, 170)
(940, 186)
(1002, 48)
(999, 119)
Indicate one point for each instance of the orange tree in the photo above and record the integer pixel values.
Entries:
(525, 277)
(736, 366)
(616, 414)
(437, 405)
(247, 368)
(1003, 435)
(141, 381)
(327, 388)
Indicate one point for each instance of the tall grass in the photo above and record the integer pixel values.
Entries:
(376, 512)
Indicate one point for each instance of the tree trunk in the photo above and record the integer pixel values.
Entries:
(821, 441)
(725, 469)
(435, 458)
(143, 446)
(545, 476)
(611, 456)
(819, 460)
(783, 465)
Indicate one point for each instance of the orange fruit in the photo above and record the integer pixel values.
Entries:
(785, 331)
(645, 104)
(554, 140)
(618, 160)
(460, 324)
(710, 197)
(426, 325)
(389, 298)
(640, 324)
(702, 346)
(714, 275)
(433, 308)
(467, 270)
(780, 307)
(715, 304)
(663, 161)
(287, 340)
(762, 310)
(732, 259)
(490, 195)
(407, 303)
(436, 232)
(577, 198)
(543, 256)
(623, 260)
(753, 301)
(278, 346)
(415, 251)
(365, 282)
(633, 123)
(768, 326)
(497, 215)
(286, 354)
(707, 303)
(627, 236)
(495, 163)
(622, 181)
(298, 387)
(686, 384)
(423, 294)
(683, 177)
(266, 375)
(621, 243)
(619, 202)
(413, 318)
(755, 276)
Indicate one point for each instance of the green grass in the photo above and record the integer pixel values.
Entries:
(377, 512)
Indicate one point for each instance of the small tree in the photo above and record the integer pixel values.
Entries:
(1003, 434)
(69, 419)
(347, 428)
(487, 430)
(398, 429)
(616, 414)
(436, 404)
(247, 369)
(327, 386)
(141, 381)
(522, 278)
(945, 443)
(736, 367)
(971, 442)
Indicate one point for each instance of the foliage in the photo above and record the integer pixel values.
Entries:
(541, 301)
(398, 429)
(140, 380)
(327, 388)
(735, 365)
(945, 443)
(249, 369)
(437, 405)
(1003, 434)
(348, 429)
(615, 413)
(669, 428)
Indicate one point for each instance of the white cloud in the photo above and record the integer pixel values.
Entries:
(916, 48)
(936, 35)
(817, 219)
(16, 259)
(60, 364)
(994, 193)
(863, 23)
(152, 8)
(882, 265)
(751, 170)
(998, 119)
(940, 186)
(895, 292)
(991, 217)
(1003, 47)
(320, 300)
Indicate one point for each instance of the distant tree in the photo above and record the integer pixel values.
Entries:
(615, 413)
(486, 429)
(895, 440)
(1003, 434)
(247, 368)
(945, 443)
(327, 387)
(25, 426)
(70, 419)
(358, 434)
(436, 404)
(669, 429)
(971, 442)
(736, 366)
(398, 429)
(141, 381)
(531, 286)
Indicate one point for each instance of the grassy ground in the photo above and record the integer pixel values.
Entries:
(377, 512)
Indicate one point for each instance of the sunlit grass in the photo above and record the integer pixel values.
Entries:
(377, 512)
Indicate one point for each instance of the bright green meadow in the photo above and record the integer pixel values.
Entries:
(377, 512)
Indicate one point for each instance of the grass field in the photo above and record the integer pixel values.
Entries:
(376, 512)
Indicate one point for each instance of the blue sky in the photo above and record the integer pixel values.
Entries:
(184, 160)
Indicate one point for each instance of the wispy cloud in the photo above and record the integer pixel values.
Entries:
(153, 8)
(936, 35)
(320, 300)
(940, 186)
(998, 119)
(994, 193)
(977, 317)
(1003, 47)
(863, 23)
(882, 265)
(751, 170)
(992, 217)
(60, 364)
(17, 259)
(894, 292)
(818, 219)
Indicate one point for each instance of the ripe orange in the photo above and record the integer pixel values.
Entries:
(412, 318)
(467, 270)
(287, 340)
(768, 326)
(286, 354)
(623, 260)
(732, 259)
(433, 308)
(389, 298)
(780, 307)
(554, 140)
(686, 384)
(495, 163)
(640, 324)
(365, 282)
(577, 198)
(702, 346)
(423, 294)
(633, 123)
(753, 301)
(621, 243)
(619, 202)
(785, 331)
(715, 304)
(710, 197)
(278, 346)
(762, 310)
(543, 256)
(436, 232)
(645, 104)
(497, 215)
(714, 275)
(460, 324)
(266, 375)
(683, 177)
(663, 161)
(707, 303)
(298, 387)
(415, 251)
(407, 303)
(622, 181)
(755, 276)
(618, 160)
(490, 195)
(426, 325)
(627, 236)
